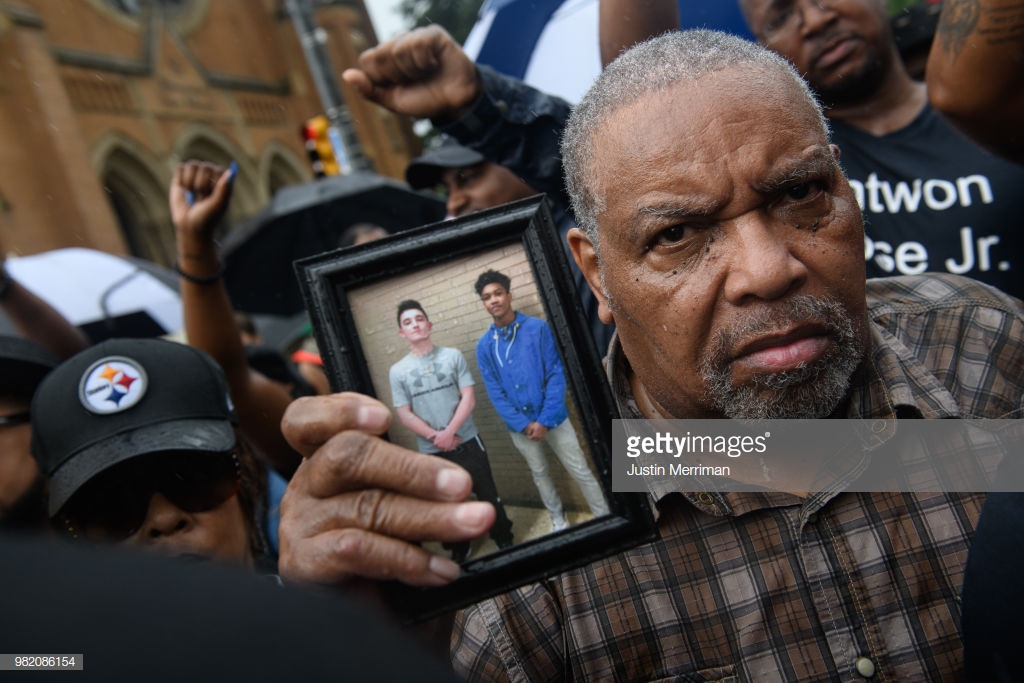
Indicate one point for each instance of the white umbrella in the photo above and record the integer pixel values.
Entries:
(105, 295)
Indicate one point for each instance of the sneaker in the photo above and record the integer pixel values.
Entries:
(558, 523)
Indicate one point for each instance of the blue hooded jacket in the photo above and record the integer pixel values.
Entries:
(523, 373)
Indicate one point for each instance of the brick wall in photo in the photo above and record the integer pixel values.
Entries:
(449, 299)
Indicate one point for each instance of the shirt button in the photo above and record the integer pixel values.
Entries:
(865, 667)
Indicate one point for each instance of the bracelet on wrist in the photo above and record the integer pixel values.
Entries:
(205, 280)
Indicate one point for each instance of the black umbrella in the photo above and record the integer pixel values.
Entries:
(303, 220)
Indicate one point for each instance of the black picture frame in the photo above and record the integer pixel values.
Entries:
(344, 286)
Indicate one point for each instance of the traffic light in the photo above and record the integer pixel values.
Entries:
(317, 134)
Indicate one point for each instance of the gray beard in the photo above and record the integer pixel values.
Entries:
(809, 391)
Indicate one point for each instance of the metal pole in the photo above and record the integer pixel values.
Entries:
(348, 150)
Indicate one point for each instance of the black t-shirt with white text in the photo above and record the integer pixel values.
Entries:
(934, 201)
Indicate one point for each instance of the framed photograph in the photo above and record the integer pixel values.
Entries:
(484, 309)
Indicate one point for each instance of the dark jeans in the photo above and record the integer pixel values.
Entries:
(472, 456)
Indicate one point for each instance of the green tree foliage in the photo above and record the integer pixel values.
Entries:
(457, 16)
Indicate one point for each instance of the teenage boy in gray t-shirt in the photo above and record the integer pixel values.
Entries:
(432, 390)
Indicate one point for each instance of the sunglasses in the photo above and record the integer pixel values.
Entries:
(114, 504)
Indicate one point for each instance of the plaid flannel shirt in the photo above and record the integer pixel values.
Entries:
(771, 586)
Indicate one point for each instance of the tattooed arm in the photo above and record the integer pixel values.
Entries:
(976, 72)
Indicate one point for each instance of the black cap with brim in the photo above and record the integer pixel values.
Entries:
(23, 364)
(425, 171)
(200, 436)
(122, 399)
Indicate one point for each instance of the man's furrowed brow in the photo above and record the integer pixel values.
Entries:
(676, 210)
(818, 163)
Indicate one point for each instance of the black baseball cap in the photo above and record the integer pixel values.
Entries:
(425, 171)
(122, 399)
(23, 364)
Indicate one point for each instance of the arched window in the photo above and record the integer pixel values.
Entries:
(282, 172)
(139, 200)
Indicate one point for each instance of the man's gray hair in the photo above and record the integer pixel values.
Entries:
(653, 65)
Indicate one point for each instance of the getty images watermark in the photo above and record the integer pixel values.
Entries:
(807, 456)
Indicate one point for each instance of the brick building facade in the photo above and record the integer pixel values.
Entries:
(100, 99)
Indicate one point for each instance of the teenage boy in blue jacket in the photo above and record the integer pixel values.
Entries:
(524, 379)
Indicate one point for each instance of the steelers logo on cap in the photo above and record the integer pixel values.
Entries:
(111, 385)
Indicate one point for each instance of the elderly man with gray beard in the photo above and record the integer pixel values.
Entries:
(720, 235)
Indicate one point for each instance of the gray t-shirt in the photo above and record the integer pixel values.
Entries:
(431, 386)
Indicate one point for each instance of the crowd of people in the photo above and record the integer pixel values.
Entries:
(792, 228)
